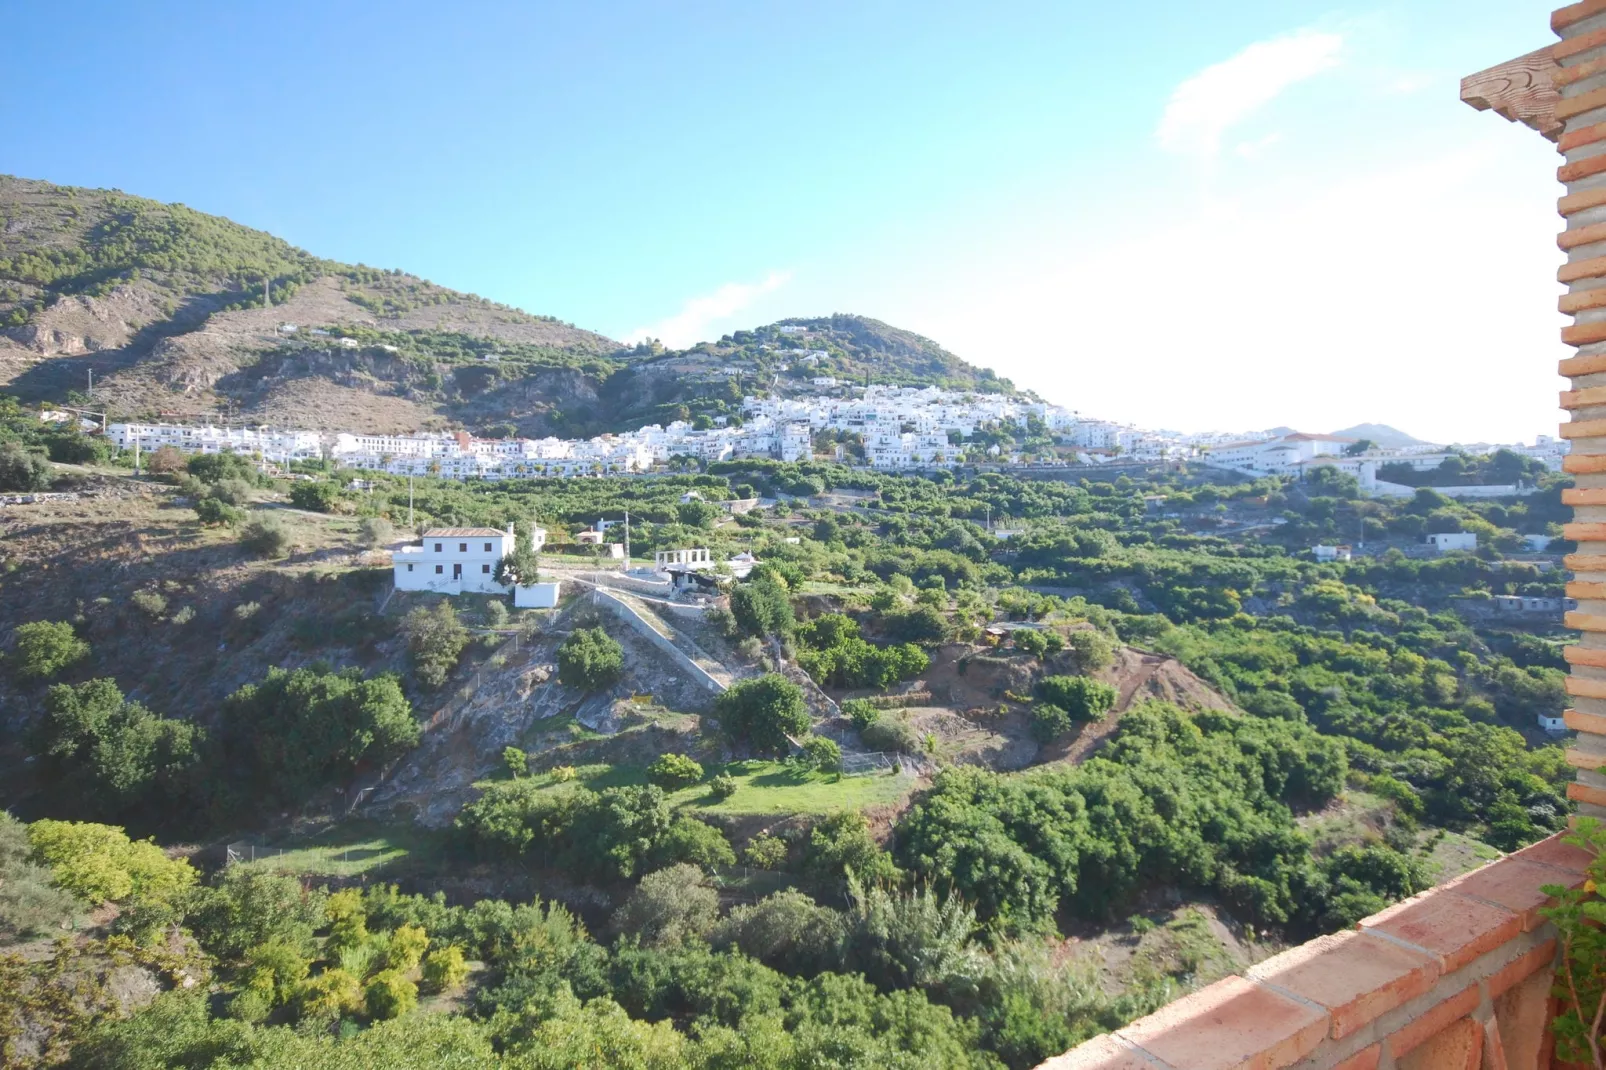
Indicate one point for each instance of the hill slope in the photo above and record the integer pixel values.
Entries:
(186, 315)
(1382, 434)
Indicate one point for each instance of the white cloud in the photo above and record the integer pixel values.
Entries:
(696, 318)
(1219, 97)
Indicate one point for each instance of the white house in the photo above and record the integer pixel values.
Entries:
(537, 595)
(1447, 541)
(1332, 553)
(698, 558)
(1552, 722)
(454, 561)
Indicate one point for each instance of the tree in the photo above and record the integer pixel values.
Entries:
(445, 970)
(389, 995)
(763, 712)
(43, 648)
(668, 907)
(1089, 650)
(214, 512)
(436, 639)
(822, 754)
(30, 901)
(375, 531)
(517, 762)
(1082, 698)
(117, 754)
(761, 607)
(22, 470)
(100, 864)
(316, 497)
(166, 461)
(1048, 722)
(406, 948)
(590, 660)
(522, 566)
(1359, 446)
(696, 514)
(334, 993)
(674, 771)
(265, 536)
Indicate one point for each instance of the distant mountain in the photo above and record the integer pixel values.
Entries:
(191, 316)
(1382, 434)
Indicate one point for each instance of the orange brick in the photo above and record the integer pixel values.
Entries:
(1552, 852)
(1565, 76)
(1502, 980)
(1107, 1052)
(1584, 532)
(1574, 46)
(1356, 976)
(1232, 1025)
(1571, 203)
(1494, 1052)
(1579, 759)
(1588, 364)
(1453, 927)
(1568, 107)
(1584, 622)
(1584, 496)
(1585, 562)
(1589, 395)
(1584, 793)
(1583, 687)
(1572, 14)
(1582, 299)
(1589, 165)
(1572, 239)
(1583, 429)
(1584, 463)
(1580, 721)
(1585, 655)
(1513, 883)
(1583, 588)
(1431, 1022)
(1583, 334)
(1365, 1059)
(1459, 1046)
(1590, 268)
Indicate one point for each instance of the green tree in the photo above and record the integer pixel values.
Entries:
(100, 864)
(265, 536)
(674, 771)
(43, 648)
(763, 713)
(517, 762)
(822, 754)
(214, 512)
(22, 470)
(436, 639)
(316, 497)
(114, 753)
(389, 995)
(445, 970)
(590, 660)
(668, 907)
(1048, 722)
(1084, 699)
(761, 607)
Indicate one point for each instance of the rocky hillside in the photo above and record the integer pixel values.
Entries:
(180, 314)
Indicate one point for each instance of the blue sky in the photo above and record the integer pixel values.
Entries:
(1187, 215)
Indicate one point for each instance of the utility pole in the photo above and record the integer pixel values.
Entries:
(267, 291)
(627, 540)
(409, 501)
(136, 454)
(91, 389)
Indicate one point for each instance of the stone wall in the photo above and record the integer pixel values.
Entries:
(1457, 978)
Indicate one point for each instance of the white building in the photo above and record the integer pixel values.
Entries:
(1332, 553)
(1448, 541)
(454, 561)
(274, 444)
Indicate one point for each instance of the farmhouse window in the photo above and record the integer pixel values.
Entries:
(439, 569)
(485, 568)
(462, 547)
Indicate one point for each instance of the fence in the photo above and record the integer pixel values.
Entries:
(883, 762)
(243, 851)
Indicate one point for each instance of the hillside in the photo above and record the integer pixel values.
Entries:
(1382, 434)
(185, 315)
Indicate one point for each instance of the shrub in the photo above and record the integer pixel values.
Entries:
(495, 615)
(436, 639)
(100, 864)
(861, 711)
(822, 754)
(590, 660)
(517, 762)
(152, 603)
(44, 648)
(334, 993)
(668, 907)
(693, 841)
(445, 970)
(891, 734)
(214, 512)
(842, 844)
(1048, 722)
(319, 497)
(246, 610)
(1089, 651)
(406, 947)
(184, 615)
(1031, 642)
(1082, 698)
(21, 470)
(166, 461)
(721, 787)
(265, 536)
(786, 931)
(216, 467)
(674, 771)
(766, 852)
(30, 902)
(375, 531)
(231, 491)
(761, 607)
(389, 995)
(763, 712)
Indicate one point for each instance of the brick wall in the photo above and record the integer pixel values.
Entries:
(1457, 978)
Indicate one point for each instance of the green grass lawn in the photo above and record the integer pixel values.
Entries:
(761, 788)
(352, 850)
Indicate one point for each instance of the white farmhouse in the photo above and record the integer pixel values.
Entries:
(454, 561)
(1445, 542)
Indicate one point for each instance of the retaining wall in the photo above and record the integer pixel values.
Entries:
(644, 628)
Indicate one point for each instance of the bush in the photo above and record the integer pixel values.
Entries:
(334, 993)
(1089, 651)
(721, 787)
(668, 907)
(214, 512)
(231, 491)
(1031, 642)
(695, 842)
(445, 970)
(30, 901)
(436, 639)
(100, 864)
(822, 754)
(763, 712)
(151, 603)
(319, 497)
(862, 712)
(1082, 698)
(406, 948)
(216, 467)
(517, 762)
(21, 470)
(842, 844)
(43, 648)
(761, 607)
(766, 852)
(787, 931)
(389, 995)
(375, 531)
(1048, 722)
(590, 660)
(265, 536)
(166, 461)
(891, 734)
(674, 771)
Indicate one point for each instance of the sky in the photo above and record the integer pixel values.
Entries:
(1191, 216)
